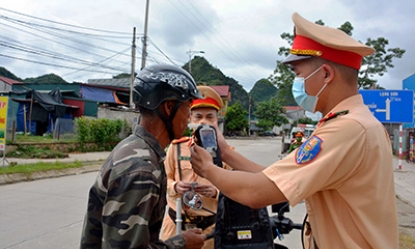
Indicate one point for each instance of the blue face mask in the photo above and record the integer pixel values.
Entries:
(304, 100)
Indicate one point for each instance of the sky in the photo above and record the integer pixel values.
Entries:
(89, 39)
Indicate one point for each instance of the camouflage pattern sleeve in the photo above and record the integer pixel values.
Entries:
(127, 212)
(127, 202)
(131, 212)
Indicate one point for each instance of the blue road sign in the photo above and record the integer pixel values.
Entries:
(390, 106)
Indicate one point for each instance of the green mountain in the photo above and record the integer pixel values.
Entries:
(47, 78)
(204, 72)
(263, 90)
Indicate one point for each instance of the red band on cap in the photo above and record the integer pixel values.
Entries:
(306, 46)
(207, 102)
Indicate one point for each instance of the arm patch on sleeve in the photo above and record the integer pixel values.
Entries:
(308, 151)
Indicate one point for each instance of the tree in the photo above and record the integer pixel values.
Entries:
(376, 64)
(304, 121)
(269, 114)
(283, 76)
(123, 76)
(236, 117)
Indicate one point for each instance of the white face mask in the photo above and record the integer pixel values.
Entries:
(304, 100)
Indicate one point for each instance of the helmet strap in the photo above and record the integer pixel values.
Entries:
(168, 120)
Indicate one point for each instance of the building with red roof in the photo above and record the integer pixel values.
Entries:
(225, 94)
(6, 84)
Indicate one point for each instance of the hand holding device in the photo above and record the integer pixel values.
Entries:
(206, 137)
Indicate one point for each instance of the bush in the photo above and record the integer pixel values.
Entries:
(102, 131)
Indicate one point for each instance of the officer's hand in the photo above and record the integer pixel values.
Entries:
(206, 190)
(194, 238)
(181, 187)
(200, 159)
(223, 145)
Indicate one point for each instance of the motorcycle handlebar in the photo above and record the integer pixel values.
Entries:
(297, 226)
(282, 225)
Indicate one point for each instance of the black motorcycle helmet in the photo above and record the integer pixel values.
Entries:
(158, 83)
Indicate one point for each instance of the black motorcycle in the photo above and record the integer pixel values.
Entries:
(237, 225)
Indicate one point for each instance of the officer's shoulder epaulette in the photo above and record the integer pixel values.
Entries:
(331, 115)
(180, 140)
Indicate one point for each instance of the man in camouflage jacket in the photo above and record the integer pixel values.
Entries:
(127, 202)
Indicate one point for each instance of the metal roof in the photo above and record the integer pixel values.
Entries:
(123, 83)
(9, 81)
(223, 90)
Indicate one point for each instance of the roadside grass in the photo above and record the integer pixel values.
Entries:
(406, 241)
(30, 151)
(42, 139)
(28, 169)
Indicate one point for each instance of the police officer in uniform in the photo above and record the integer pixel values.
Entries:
(181, 177)
(344, 177)
(127, 201)
(298, 141)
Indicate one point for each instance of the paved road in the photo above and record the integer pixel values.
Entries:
(48, 213)
(45, 213)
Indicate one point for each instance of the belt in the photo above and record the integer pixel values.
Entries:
(201, 222)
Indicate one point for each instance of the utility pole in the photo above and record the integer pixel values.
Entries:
(191, 53)
(132, 70)
(249, 116)
(144, 53)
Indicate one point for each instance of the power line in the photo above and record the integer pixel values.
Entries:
(54, 55)
(66, 38)
(6, 18)
(64, 24)
(83, 69)
(56, 42)
(48, 64)
(152, 42)
(18, 46)
(45, 28)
